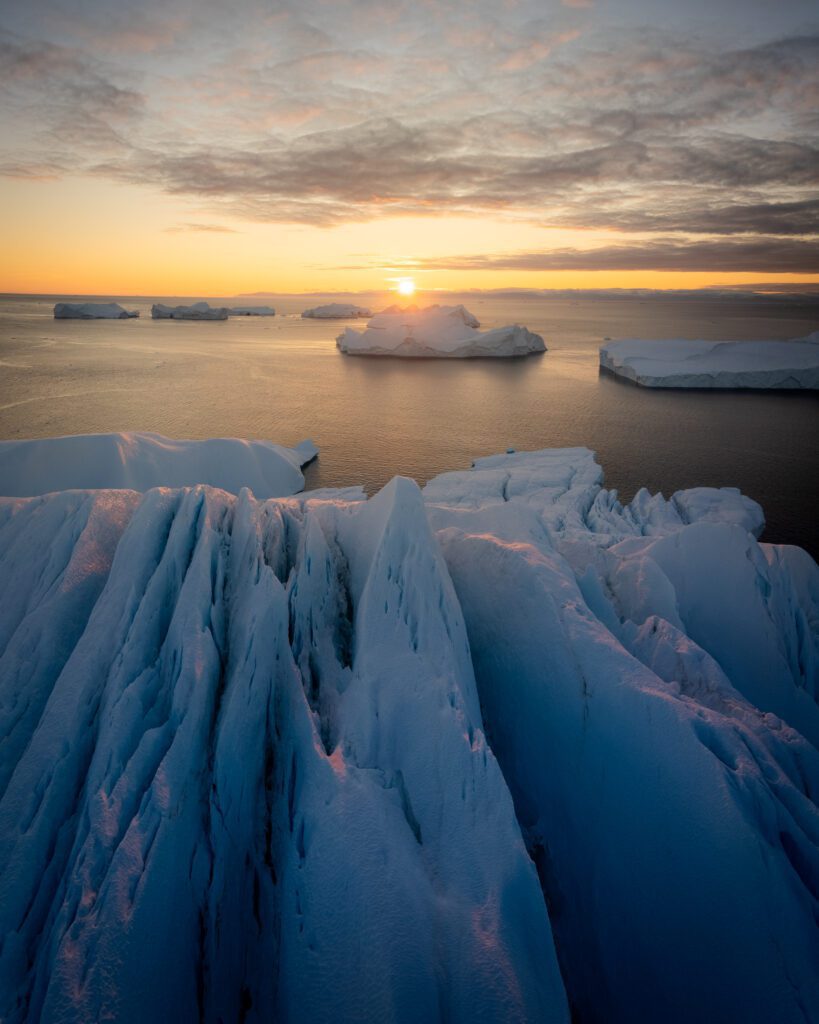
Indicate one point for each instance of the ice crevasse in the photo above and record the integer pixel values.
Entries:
(471, 753)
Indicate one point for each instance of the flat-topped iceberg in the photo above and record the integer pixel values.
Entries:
(336, 311)
(139, 461)
(251, 311)
(709, 364)
(449, 332)
(93, 311)
(197, 311)
(414, 751)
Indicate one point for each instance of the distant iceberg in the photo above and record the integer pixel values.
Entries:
(138, 461)
(708, 364)
(436, 331)
(198, 311)
(501, 750)
(336, 311)
(92, 311)
(251, 311)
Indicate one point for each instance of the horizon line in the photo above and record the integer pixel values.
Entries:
(761, 289)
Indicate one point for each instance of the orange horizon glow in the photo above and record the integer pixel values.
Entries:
(132, 244)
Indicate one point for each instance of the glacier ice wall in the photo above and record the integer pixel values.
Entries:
(504, 750)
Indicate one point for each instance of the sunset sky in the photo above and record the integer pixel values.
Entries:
(199, 148)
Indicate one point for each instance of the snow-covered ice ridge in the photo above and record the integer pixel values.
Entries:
(93, 311)
(336, 311)
(710, 364)
(437, 331)
(326, 758)
(139, 461)
(197, 311)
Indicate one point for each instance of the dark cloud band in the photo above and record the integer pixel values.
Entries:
(766, 255)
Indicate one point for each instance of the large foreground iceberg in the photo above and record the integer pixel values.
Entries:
(436, 331)
(93, 311)
(244, 769)
(709, 364)
(139, 461)
(336, 311)
(504, 750)
(251, 311)
(198, 311)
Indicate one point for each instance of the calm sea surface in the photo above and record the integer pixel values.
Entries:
(284, 379)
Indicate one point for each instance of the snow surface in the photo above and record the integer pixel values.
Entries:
(139, 461)
(336, 311)
(251, 311)
(92, 311)
(436, 331)
(198, 311)
(708, 364)
(501, 750)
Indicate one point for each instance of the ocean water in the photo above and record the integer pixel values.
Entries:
(283, 379)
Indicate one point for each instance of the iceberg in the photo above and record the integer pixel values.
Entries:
(263, 716)
(336, 311)
(198, 311)
(665, 779)
(92, 311)
(251, 311)
(503, 749)
(139, 460)
(436, 331)
(459, 313)
(709, 364)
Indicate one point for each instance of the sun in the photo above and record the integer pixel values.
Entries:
(406, 286)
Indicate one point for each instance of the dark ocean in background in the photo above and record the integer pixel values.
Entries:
(283, 379)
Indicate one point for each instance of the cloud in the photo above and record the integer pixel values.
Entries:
(193, 226)
(766, 255)
(66, 102)
(386, 166)
(686, 214)
(45, 73)
(326, 113)
(31, 171)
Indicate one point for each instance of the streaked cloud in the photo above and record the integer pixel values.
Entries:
(795, 256)
(672, 213)
(194, 227)
(387, 166)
